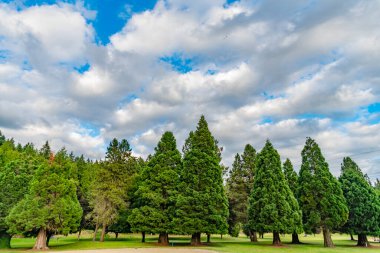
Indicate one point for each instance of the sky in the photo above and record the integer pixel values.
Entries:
(79, 73)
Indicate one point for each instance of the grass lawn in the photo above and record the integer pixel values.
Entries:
(312, 244)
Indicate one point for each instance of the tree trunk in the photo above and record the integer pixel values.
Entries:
(142, 236)
(79, 232)
(276, 238)
(295, 239)
(116, 235)
(208, 237)
(95, 231)
(253, 236)
(352, 237)
(196, 239)
(163, 239)
(41, 240)
(362, 240)
(327, 241)
(104, 227)
(261, 235)
(5, 240)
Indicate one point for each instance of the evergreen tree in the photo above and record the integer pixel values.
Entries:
(239, 186)
(362, 200)
(15, 176)
(158, 190)
(51, 205)
(112, 180)
(202, 205)
(272, 206)
(292, 179)
(320, 196)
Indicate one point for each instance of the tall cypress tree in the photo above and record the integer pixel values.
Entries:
(239, 186)
(292, 179)
(158, 190)
(362, 200)
(202, 205)
(272, 206)
(320, 196)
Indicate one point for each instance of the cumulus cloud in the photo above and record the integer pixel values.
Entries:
(256, 69)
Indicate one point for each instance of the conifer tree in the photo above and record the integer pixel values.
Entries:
(16, 171)
(50, 205)
(158, 190)
(362, 200)
(272, 206)
(202, 205)
(292, 179)
(239, 186)
(320, 196)
(113, 178)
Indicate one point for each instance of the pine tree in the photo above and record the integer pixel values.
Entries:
(362, 200)
(292, 179)
(320, 196)
(51, 204)
(158, 190)
(109, 190)
(239, 186)
(272, 206)
(202, 205)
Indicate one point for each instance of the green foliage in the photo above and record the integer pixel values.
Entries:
(239, 185)
(157, 189)
(113, 178)
(202, 205)
(320, 196)
(51, 202)
(291, 176)
(362, 200)
(272, 205)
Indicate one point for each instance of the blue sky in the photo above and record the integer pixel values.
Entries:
(79, 73)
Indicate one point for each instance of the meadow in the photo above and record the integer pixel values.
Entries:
(311, 244)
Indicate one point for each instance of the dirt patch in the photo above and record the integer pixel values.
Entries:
(141, 250)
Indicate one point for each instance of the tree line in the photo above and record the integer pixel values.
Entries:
(172, 192)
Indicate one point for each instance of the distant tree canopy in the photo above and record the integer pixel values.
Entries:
(44, 193)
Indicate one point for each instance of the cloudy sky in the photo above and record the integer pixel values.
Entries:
(78, 73)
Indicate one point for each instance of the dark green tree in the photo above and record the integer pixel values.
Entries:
(239, 186)
(292, 179)
(320, 195)
(202, 205)
(50, 205)
(272, 206)
(362, 200)
(158, 190)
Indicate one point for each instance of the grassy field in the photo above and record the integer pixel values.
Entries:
(312, 244)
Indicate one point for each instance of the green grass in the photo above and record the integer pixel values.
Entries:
(312, 244)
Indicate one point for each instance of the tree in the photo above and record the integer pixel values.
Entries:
(15, 176)
(292, 179)
(112, 180)
(239, 186)
(272, 206)
(320, 196)
(158, 190)
(202, 205)
(51, 205)
(362, 200)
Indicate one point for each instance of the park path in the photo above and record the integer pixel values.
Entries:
(140, 250)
